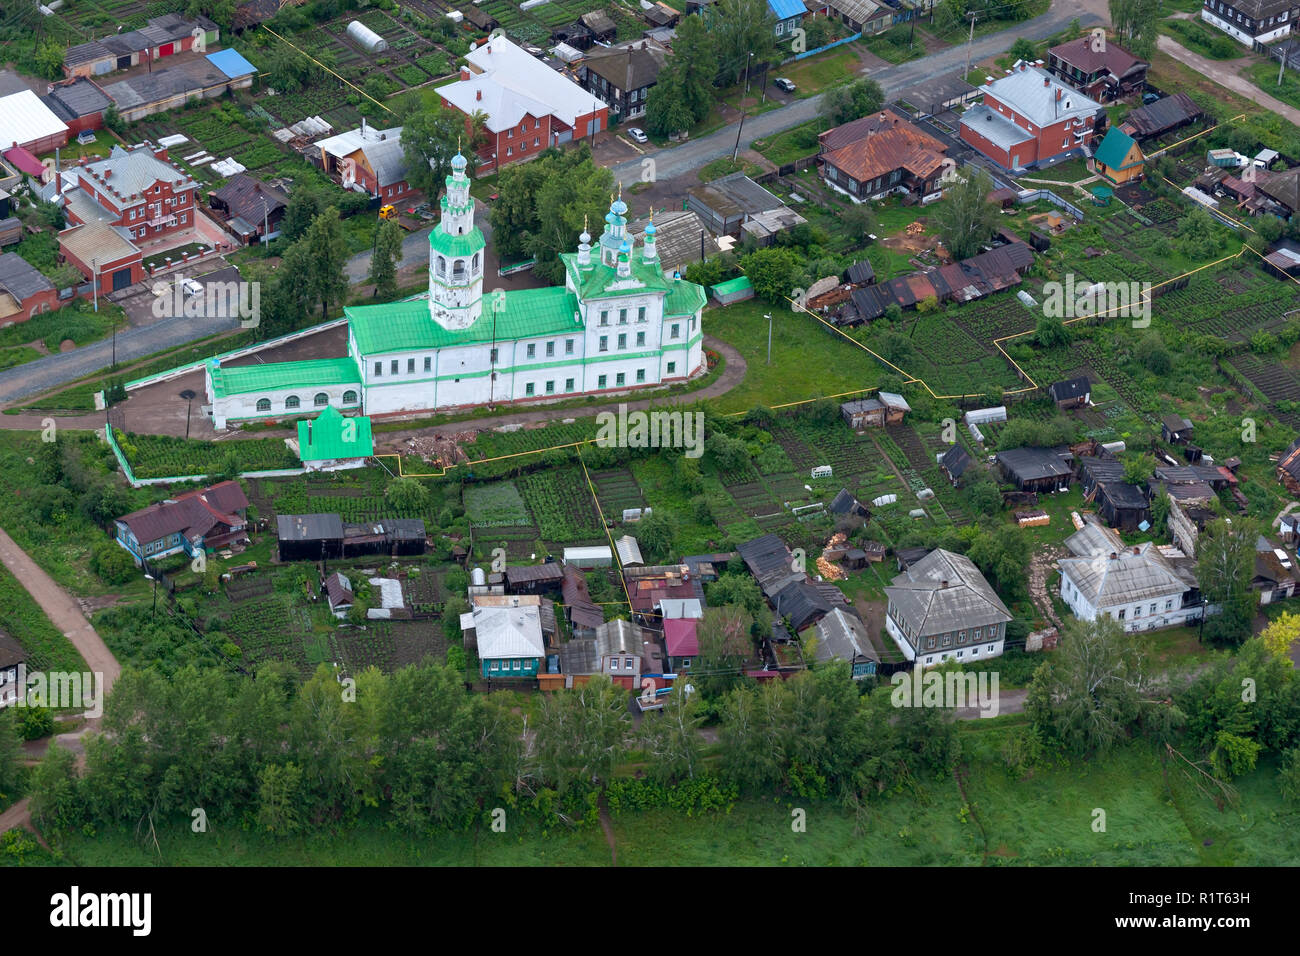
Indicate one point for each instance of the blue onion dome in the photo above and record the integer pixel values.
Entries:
(650, 229)
(459, 162)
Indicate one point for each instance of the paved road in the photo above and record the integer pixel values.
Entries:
(1226, 74)
(689, 156)
(415, 249)
(133, 342)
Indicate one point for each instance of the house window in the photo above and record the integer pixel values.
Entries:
(930, 660)
(675, 332)
(961, 637)
(600, 382)
(604, 343)
(410, 366)
(959, 653)
(550, 387)
(393, 366)
(1121, 613)
(550, 349)
(929, 644)
(510, 150)
(379, 369)
(622, 341)
(568, 346)
(672, 368)
(975, 636)
(686, 662)
(291, 402)
(1169, 605)
(568, 384)
(620, 378)
(428, 363)
(536, 142)
(613, 663)
(640, 339)
(528, 389)
(990, 648)
(974, 652)
(321, 400)
(1152, 609)
(1137, 611)
(263, 404)
(640, 375)
(349, 397)
(495, 666)
(627, 663)
(532, 351)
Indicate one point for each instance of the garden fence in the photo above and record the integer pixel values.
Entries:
(822, 49)
(1055, 200)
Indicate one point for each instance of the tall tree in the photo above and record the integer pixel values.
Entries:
(1225, 564)
(843, 104)
(744, 34)
(696, 54)
(965, 217)
(384, 260)
(671, 737)
(668, 110)
(329, 253)
(430, 138)
(581, 734)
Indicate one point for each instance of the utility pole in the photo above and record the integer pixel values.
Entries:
(970, 43)
(736, 151)
(768, 316)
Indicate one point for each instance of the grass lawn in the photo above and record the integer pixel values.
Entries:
(160, 258)
(725, 167)
(819, 73)
(1264, 75)
(807, 359)
(793, 144)
(1200, 38)
(1072, 170)
(22, 617)
(893, 46)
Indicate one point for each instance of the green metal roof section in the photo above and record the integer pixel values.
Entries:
(408, 326)
(449, 245)
(277, 376)
(594, 283)
(1114, 147)
(684, 298)
(330, 436)
(738, 284)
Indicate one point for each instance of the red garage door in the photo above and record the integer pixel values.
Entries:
(166, 49)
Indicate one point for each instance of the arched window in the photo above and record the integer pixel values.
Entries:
(263, 404)
(321, 399)
(291, 402)
(442, 266)
(475, 265)
(458, 270)
(349, 397)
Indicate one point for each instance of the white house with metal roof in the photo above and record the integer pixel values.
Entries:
(942, 608)
(616, 324)
(1141, 587)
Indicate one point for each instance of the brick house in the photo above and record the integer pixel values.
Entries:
(368, 160)
(1028, 119)
(24, 291)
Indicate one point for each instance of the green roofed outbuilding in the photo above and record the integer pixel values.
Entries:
(332, 437)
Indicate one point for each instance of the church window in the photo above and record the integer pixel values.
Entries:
(379, 369)
(568, 384)
(640, 340)
(442, 266)
(263, 404)
(622, 341)
(604, 343)
(528, 389)
(321, 399)
(291, 402)
(428, 364)
(640, 314)
(493, 357)
(675, 331)
(600, 382)
(672, 368)
(550, 349)
(568, 346)
(620, 379)
(458, 270)
(393, 367)
(550, 387)
(640, 375)
(532, 351)
(474, 263)
(622, 316)
(349, 397)
(604, 317)
(410, 366)
(692, 323)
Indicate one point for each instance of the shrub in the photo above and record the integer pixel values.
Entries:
(112, 564)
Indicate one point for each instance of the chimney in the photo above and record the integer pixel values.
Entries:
(1058, 94)
(478, 94)
(108, 172)
(1136, 549)
(943, 583)
(1046, 81)
(1113, 555)
(464, 73)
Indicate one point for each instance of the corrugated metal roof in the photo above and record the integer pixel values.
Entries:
(307, 375)
(20, 278)
(921, 598)
(330, 436)
(508, 632)
(24, 120)
(1033, 93)
(843, 636)
(229, 62)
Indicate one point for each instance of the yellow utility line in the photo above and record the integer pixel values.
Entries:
(326, 68)
(609, 536)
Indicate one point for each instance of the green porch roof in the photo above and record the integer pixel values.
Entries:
(594, 283)
(684, 298)
(449, 245)
(408, 327)
(331, 436)
(1114, 147)
(277, 376)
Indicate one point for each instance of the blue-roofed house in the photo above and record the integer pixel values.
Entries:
(789, 14)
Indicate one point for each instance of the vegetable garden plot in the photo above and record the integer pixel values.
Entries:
(389, 645)
(266, 630)
(1261, 306)
(163, 456)
(754, 499)
(561, 504)
(520, 542)
(495, 503)
(1275, 382)
(248, 588)
(617, 490)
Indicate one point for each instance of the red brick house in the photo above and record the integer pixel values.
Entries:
(24, 291)
(1029, 119)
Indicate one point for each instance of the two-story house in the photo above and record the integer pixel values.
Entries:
(1139, 587)
(622, 77)
(1101, 70)
(1029, 119)
(368, 160)
(1253, 23)
(193, 522)
(942, 608)
(882, 154)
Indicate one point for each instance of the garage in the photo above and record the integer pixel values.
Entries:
(121, 278)
(124, 62)
(167, 49)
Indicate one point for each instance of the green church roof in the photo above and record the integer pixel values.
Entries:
(449, 245)
(1114, 147)
(684, 298)
(327, 437)
(408, 326)
(276, 376)
(594, 283)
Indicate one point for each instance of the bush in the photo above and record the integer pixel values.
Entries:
(35, 723)
(112, 564)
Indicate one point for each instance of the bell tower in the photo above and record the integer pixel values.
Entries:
(456, 256)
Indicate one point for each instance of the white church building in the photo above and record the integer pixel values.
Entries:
(616, 324)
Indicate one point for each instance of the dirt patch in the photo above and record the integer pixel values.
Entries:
(1041, 568)
(67, 345)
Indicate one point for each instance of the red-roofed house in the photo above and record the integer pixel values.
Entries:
(682, 642)
(193, 522)
(878, 155)
(22, 160)
(1101, 70)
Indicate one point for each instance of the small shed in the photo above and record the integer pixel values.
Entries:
(1175, 429)
(1071, 392)
(863, 413)
(733, 290)
(309, 537)
(629, 552)
(366, 37)
(534, 578)
(600, 24)
(1035, 469)
(860, 273)
(954, 462)
(598, 556)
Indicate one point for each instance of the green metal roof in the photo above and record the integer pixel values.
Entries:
(277, 376)
(593, 283)
(684, 298)
(1114, 147)
(449, 245)
(738, 284)
(408, 327)
(331, 436)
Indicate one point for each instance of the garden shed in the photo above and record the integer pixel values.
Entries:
(309, 537)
